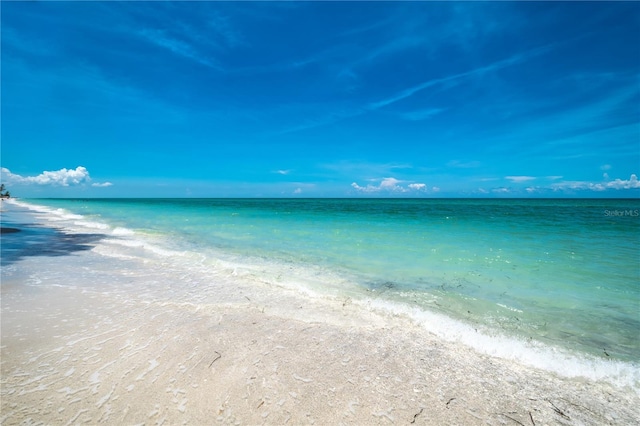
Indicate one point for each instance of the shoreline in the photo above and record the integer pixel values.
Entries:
(119, 343)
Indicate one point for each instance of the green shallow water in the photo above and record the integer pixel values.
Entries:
(564, 272)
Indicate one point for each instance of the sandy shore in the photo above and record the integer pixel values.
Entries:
(88, 338)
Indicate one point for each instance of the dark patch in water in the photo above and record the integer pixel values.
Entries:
(4, 230)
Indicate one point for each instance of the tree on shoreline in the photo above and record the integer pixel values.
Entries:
(3, 192)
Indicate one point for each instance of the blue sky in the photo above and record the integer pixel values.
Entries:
(321, 99)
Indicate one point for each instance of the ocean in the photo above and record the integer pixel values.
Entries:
(554, 283)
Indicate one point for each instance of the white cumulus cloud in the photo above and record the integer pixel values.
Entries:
(417, 186)
(631, 183)
(570, 185)
(390, 184)
(62, 177)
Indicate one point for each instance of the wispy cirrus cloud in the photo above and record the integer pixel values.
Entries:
(14, 40)
(322, 120)
(562, 129)
(102, 185)
(463, 164)
(495, 66)
(333, 117)
(520, 179)
(195, 34)
(423, 114)
(403, 83)
(177, 46)
(364, 168)
(394, 46)
(228, 33)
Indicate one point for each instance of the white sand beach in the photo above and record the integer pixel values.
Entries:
(89, 338)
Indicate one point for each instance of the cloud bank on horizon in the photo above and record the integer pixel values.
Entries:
(321, 99)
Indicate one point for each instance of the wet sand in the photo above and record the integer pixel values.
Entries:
(88, 338)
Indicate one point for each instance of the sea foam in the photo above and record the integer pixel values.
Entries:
(528, 352)
(75, 223)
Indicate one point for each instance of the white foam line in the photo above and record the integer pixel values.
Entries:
(122, 231)
(123, 236)
(530, 353)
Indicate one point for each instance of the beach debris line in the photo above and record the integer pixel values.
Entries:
(557, 410)
(415, 416)
(577, 405)
(217, 357)
(511, 418)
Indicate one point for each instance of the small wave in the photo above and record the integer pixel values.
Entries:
(90, 224)
(70, 216)
(122, 231)
(140, 244)
(63, 217)
(509, 308)
(528, 352)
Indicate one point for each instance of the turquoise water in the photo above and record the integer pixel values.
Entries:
(561, 272)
